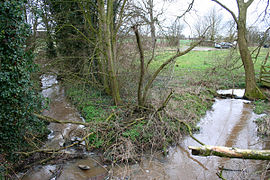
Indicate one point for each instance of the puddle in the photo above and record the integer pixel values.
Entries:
(228, 123)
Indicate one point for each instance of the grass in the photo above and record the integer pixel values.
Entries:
(263, 123)
(261, 106)
(202, 63)
(195, 77)
(202, 60)
(93, 104)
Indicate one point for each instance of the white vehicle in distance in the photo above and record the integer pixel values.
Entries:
(223, 45)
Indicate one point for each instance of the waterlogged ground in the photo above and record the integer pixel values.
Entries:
(228, 123)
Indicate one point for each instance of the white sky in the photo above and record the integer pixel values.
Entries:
(201, 7)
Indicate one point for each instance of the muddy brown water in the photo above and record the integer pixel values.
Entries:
(228, 123)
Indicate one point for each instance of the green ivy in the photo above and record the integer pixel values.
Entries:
(18, 100)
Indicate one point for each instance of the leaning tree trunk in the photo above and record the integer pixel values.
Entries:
(251, 91)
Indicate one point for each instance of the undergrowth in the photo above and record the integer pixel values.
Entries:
(263, 123)
(123, 133)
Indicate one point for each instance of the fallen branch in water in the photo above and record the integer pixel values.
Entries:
(230, 152)
(190, 131)
(49, 119)
(55, 150)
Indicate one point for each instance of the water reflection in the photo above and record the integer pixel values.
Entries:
(229, 123)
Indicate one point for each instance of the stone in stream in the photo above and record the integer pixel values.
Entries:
(83, 167)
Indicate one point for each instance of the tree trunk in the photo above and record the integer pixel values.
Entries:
(111, 43)
(50, 51)
(152, 22)
(102, 61)
(230, 152)
(251, 91)
(109, 49)
(142, 69)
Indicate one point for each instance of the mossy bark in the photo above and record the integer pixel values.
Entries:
(254, 93)
(230, 152)
(251, 91)
(108, 45)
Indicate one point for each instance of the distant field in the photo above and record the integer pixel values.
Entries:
(198, 63)
(203, 59)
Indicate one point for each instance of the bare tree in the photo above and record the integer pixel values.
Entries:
(145, 10)
(109, 16)
(230, 27)
(251, 91)
(174, 33)
(143, 92)
(213, 20)
(199, 26)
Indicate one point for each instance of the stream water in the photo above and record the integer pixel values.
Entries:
(228, 123)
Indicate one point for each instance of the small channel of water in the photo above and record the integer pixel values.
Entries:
(228, 123)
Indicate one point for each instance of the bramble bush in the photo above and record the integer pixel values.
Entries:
(18, 99)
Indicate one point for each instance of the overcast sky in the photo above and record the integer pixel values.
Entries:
(202, 7)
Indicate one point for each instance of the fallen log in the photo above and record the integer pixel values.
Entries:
(230, 152)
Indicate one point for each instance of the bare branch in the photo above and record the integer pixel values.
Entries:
(249, 3)
(187, 10)
(121, 16)
(261, 43)
(225, 7)
(171, 59)
(52, 120)
(135, 28)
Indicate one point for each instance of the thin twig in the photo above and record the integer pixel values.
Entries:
(190, 131)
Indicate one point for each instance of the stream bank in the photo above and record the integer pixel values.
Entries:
(230, 122)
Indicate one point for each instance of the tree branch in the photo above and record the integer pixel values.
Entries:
(187, 10)
(135, 28)
(56, 150)
(261, 43)
(249, 3)
(178, 54)
(52, 120)
(225, 7)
